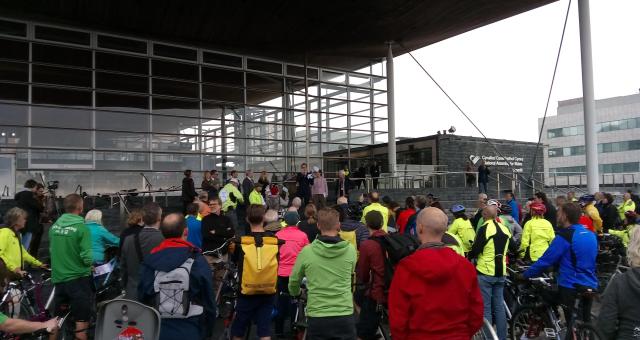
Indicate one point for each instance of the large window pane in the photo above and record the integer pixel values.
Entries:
(174, 52)
(176, 107)
(175, 125)
(264, 98)
(173, 162)
(62, 35)
(13, 28)
(169, 69)
(14, 71)
(122, 161)
(333, 91)
(223, 77)
(62, 159)
(61, 76)
(119, 121)
(122, 102)
(13, 136)
(121, 82)
(334, 77)
(60, 138)
(117, 43)
(175, 88)
(221, 59)
(264, 82)
(61, 55)
(263, 65)
(60, 117)
(121, 140)
(222, 93)
(13, 114)
(122, 63)
(11, 49)
(59, 96)
(14, 92)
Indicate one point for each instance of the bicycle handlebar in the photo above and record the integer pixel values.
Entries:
(219, 249)
(542, 280)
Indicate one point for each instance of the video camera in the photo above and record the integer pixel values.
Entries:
(53, 185)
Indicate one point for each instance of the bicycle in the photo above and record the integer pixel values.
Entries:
(220, 264)
(227, 293)
(541, 319)
(23, 299)
(300, 318)
(486, 332)
(383, 323)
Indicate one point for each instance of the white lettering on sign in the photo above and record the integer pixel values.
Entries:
(516, 162)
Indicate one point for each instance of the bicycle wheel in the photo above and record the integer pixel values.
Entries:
(585, 331)
(529, 322)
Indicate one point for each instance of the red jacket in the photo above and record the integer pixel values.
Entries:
(587, 222)
(435, 295)
(403, 218)
(370, 267)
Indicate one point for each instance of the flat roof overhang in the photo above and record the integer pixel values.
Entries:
(343, 34)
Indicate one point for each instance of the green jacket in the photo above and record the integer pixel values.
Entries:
(623, 234)
(464, 231)
(328, 264)
(627, 205)
(537, 235)
(70, 248)
(224, 195)
(255, 197)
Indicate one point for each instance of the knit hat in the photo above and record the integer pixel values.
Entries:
(291, 218)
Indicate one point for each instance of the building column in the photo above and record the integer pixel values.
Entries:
(588, 101)
(391, 113)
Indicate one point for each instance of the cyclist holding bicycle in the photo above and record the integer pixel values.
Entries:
(12, 253)
(537, 234)
(575, 250)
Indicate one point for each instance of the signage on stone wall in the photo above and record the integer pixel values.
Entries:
(516, 162)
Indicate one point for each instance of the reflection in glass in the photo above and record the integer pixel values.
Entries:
(60, 117)
(60, 138)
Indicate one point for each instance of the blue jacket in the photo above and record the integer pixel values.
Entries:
(585, 248)
(194, 234)
(515, 211)
(101, 239)
(170, 254)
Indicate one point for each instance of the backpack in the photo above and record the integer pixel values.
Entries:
(172, 299)
(259, 265)
(395, 247)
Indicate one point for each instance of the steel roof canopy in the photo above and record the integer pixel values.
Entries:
(340, 34)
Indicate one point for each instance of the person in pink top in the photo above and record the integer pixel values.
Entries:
(319, 190)
(294, 240)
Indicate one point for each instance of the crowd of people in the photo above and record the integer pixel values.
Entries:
(447, 274)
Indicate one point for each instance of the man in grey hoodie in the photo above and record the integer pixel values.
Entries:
(136, 247)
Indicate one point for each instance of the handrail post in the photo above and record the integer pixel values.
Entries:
(498, 181)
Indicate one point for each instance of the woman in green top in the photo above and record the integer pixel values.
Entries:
(630, 222)
(461, 227)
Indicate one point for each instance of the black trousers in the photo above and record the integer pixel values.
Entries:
(567, 298)
(283, 303)
(331, 328)
(368, 320)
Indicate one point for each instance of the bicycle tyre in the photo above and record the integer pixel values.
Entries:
(521, 322)
(586, 331)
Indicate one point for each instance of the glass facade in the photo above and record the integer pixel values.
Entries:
(628, 145)
(97, 110)
(614, 168)
(614, 125)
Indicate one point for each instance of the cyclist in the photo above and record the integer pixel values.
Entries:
(216, 229)
(71, 260)
(511, 201)
(620, 311)
(630, 222)
(328, 264)
(461, 227)
(504, 217)
(537, 235)
(370, 271)
(12, 252)
(490, 247)
(590, 211)
(231, 197)
(255, 197)
(434, 293)
(575, 251)
(101, 238)
(627, 205)
(374, 205)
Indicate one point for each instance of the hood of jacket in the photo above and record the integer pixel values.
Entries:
(329, 247)
(170, 254)
(69, 219)
(633, 280)
(434, 264)
(350, 225)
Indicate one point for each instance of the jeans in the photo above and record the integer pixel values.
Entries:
(492, 289)
(482, 187)
(26, 239)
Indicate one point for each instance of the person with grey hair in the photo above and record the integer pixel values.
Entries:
(343, 185)
(13, 255)
(421, 305)
(101, 238)
(137, 246)
(620, 310)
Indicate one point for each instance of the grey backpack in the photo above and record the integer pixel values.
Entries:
(172, 292)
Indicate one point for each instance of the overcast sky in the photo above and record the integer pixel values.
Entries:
(500, 73)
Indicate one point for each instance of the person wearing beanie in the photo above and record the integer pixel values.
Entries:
(294, 240)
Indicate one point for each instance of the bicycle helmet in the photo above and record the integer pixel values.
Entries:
(587, 198)
(630, 214)
(493, 202)
(505, 209)
(457, 208)
(537, 208)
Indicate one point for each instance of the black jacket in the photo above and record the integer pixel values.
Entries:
(304, 185)
(223, 231)
(26, 200)
(551, 214)
(483, 174)
(620, 311)
(610, 217)
(188, 190)
(347, 187)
